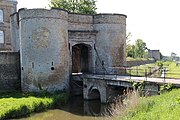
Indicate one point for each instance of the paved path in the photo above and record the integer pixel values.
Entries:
(157, 80)
(127, 78)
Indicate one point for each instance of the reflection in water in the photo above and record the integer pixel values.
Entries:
(77, 109)
(94, 108)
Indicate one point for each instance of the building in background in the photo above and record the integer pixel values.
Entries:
(154, 54)
(7, 7)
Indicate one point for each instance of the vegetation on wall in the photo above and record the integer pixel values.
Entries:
(75, 6)
(138, 85)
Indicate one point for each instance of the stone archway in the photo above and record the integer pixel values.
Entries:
(81, 58)
(94, 93)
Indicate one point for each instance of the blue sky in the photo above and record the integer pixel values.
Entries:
(157, 22)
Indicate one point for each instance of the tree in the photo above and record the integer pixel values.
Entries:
(140, 48)
(173, 56)
(129, 47)
(130, 52)
(128, 37)
(75, 6)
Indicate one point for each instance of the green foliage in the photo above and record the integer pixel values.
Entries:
(166, 87)
(136, 51)
(138, 85)
(75, 6)
(138, 59)
(173, 69)
(21, 104)
(130, 52)
(145, 105)
(140, 47)
(178, 100)
(160, 64)
(129, 47)
(142, 69)
(162, 107)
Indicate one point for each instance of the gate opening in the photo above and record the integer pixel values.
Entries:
(81, 57)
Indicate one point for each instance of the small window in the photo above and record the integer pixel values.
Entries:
(1, 15)
(1, 37)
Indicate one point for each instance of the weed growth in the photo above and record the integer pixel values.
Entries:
(162, 107)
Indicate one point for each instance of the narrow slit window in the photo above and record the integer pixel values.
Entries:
(32, 65)
(1, 37)
(1, 15)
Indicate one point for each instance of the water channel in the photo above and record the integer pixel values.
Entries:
(76, 109)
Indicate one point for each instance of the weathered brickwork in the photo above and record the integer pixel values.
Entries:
(139, 62)
(110, 40)
(9, 71)
(55, 43)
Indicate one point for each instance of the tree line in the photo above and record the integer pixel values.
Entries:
(137, 50)
(75, 6)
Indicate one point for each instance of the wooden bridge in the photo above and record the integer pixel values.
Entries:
(106, 87)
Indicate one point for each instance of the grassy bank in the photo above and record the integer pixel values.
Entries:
(136, 59)
(17, 104)
(173, 69)
(141, 70)
(162, 107)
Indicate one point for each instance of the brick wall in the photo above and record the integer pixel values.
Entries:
(139, 62)
(9, 71)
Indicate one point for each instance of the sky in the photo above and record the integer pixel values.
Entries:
(156, 22)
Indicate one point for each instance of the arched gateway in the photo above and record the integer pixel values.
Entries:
(81, 58)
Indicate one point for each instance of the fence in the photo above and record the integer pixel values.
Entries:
(125, 70)
(155, 72)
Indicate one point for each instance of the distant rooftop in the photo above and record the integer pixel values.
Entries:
(10, 0)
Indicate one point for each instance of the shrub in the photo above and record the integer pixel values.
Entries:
(166, 87)
(160, 64)
(138, 85)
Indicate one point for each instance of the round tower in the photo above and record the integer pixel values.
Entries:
(110, 42)
(44, 49)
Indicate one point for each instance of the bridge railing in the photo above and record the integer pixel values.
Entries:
(155, 72)
(147, 72)
(125, 70)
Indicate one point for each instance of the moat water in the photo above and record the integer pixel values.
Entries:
(76, 109)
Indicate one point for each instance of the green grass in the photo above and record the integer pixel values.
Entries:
(135, 59)
(21, 104)
(142, 69)
(173, 69)
(162, 107)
